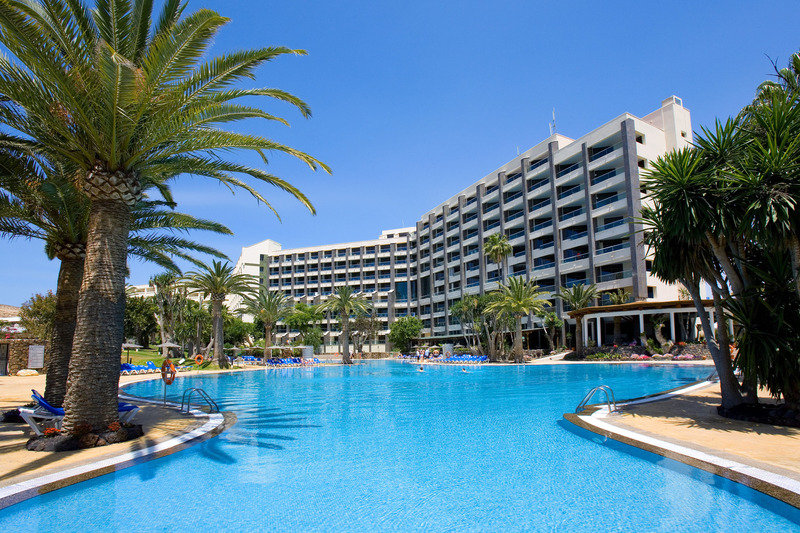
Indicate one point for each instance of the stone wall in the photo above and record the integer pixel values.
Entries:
(18, 353)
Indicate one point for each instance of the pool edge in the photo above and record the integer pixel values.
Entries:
(594, 418)
(24, 490)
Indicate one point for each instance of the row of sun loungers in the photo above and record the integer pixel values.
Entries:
(39, 417)
(463, 359)
(293, 361)
(127, 369)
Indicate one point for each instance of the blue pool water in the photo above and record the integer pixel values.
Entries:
(381, 446)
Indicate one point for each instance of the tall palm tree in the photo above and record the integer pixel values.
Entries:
(519, 298)
(497, 248)
(270, 307)
(618, 297)
(216, 282)
(578, 297)
(47, 206)
(127, 101)
(344, 304)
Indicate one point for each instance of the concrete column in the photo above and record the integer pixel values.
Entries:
(673, 337)
(599, 331)
(633, 192)
(641, 323)
(463, 269)
(587, 183)
(551, 150)
(479, 194)
(585, 331)
(445, 213)
(524, 162)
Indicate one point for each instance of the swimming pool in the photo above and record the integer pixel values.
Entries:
(382, 446)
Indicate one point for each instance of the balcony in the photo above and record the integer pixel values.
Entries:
(539, 205)
(516, 233)
(572, 214)
(514, 215)
(511, 197)
(598, 153)
(575, 257)
(491, 225)
(600, 178)
(613, 276)
(610, 200)
(566, 192)
(536, 164)
(611, 225)
(533, 185)
(544, 266)
(542, 225)
(576, 235)
(566, 170)
(574, 282)
(609, 249)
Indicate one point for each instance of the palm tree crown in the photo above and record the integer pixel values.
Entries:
(218, 281)
(345, 303)
(270, 307)
(498, 248)
(518, 298)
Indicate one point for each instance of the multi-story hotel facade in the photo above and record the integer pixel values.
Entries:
(568, 207)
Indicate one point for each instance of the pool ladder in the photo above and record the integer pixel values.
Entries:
(611, 401)
(186, 401)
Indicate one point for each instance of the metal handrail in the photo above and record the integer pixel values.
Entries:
(186, 402)
(611, 401)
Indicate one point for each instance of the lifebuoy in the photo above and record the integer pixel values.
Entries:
(198, 359)
(447, 354)
(168, 372)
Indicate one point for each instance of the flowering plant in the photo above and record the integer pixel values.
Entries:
(114, 426)
(51, 432)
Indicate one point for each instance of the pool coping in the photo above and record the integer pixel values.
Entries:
(24, 490)
(594, 418)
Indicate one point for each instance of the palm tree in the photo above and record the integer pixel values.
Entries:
(345, 303)
(618, 297)
(127, 101)
(47, 206)
(578, 297)
(270, 307)
(519, 298)
(497, 248)
(216, 282)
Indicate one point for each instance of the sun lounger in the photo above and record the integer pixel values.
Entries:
(44, 413)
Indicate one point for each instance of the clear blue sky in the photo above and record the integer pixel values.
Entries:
(415, 100)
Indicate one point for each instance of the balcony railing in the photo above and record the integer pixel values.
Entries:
(608, 249)
(566, 192)
(491, 225)
(536, 184)
(536, 164)
(610, 225)
(606, 176)
(517, 233)
(573, 282)
(576, 235)
(538, 205)
(612, 276)
(512, 197)
(543, 266)
(609, 200)
(521, 253)
(513, 216)
(604, 151)
(576, 257)
(542, 225)
(567, 170)
(572, 214)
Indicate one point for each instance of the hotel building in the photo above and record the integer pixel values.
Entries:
(567, 206)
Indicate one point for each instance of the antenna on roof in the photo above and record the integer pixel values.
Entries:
(553, 123)
(517, 149)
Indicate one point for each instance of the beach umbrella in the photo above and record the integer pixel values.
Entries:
(127, 347)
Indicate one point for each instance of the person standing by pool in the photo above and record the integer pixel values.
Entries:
(427, 352)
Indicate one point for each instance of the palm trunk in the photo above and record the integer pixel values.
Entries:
(579, 335)
(267, 339)
(69, 285)
(93, 381)
(346, 344)
(518, 342)
(728, 384)
(550, 336)
(794, 253)
(219, 338)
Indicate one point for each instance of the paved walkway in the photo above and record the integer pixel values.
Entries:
(691, 420)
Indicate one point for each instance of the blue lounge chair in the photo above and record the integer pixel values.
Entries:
(38, 417)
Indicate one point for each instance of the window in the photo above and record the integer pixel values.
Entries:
(651, 292)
